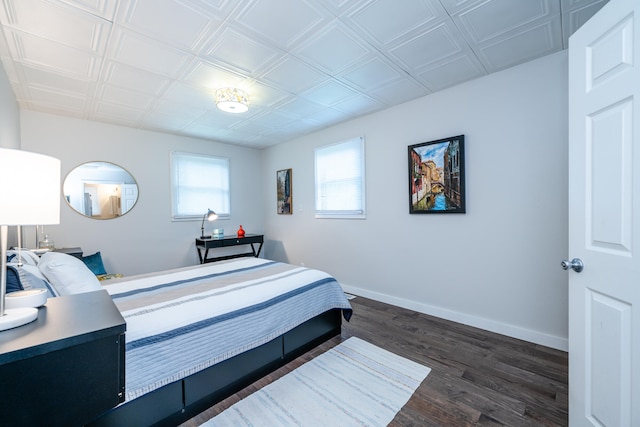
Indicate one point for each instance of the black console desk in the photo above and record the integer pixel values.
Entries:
(66, 367)
(203, 246)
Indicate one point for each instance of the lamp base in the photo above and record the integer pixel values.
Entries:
(14, 317)
(27, 298)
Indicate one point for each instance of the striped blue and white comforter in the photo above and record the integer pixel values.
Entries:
(182, 321)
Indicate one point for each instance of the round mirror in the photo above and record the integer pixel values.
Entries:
(100, 190)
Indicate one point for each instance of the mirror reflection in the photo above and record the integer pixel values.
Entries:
(100, 190)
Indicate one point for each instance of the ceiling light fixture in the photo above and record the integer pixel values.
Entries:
(232, 100)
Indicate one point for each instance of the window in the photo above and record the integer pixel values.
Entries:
(340, 180)
(198, 183)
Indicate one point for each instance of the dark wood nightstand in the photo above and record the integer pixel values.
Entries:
(203, 246)
(66, 367)
(76, 252)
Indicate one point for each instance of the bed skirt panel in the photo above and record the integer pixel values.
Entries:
(229, 374)
(176, 402)
(147, 410)
(318, 328)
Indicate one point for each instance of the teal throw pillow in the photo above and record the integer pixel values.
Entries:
(94, 262)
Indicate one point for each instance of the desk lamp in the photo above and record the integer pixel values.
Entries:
(209, 216)
(32, 198)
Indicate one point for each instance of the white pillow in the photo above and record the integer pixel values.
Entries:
(32, 278)
(27, 256)
(67, 274)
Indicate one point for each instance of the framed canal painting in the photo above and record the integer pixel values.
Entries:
(436, 176)
(283, 188)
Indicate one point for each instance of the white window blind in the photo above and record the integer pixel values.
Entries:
(340, 175)
(199, 182)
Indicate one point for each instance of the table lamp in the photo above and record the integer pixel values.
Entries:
(30, 196)
(209, 216)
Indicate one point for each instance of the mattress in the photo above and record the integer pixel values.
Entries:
(182, 321)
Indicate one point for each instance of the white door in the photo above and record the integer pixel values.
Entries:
(604, 218)
(129, 196)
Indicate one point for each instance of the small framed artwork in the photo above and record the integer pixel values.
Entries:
(436, 176)
(283, 187)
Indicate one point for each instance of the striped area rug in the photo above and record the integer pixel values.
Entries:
(353, 384)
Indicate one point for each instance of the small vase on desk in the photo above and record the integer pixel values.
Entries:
(240, 232)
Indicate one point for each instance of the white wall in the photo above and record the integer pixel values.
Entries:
(9, 114)
(497, 266)
(145, 239)
(9, 129)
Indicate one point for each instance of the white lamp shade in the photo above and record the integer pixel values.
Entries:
(30, 192)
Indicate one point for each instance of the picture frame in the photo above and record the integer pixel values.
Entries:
(284, 191)
(437, 176)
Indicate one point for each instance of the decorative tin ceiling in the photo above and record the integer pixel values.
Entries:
(307, 64)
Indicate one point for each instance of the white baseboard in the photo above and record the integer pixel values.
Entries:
(559, 343)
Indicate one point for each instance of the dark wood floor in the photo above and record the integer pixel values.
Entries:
(477, 377)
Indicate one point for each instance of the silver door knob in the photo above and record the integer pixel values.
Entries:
(575, 264)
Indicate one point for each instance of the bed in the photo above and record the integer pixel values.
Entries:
(199, 334)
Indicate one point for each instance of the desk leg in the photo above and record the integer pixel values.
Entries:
(256, 254)
(200, 257)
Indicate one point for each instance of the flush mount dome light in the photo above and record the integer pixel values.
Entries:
(232, 100)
